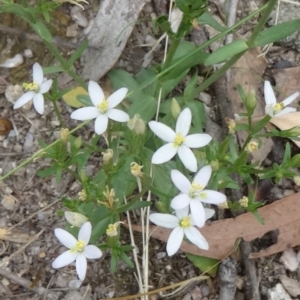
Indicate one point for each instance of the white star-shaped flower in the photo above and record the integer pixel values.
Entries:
(36, 89)
(193, 194)
(79, 250)
(103, 109)
(182, 225)
(274, 109)
(178, 141)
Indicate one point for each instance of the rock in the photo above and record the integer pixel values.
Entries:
(278, 293)
(28, 53)
(289, 259)
(72, 30)
(78, 17)
(291, 285)
(8, 202)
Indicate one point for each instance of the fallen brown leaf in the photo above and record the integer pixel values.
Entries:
(222, 235)
(14, 235)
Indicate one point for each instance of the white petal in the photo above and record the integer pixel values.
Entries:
(181, 213)
(45, 86)
(290, 99)
(286, 110)
(92, 252)
(117, 97)
(95, 92)
(175, 19)
(180, 181)
(269, 93)
(175, 240)
(81, 265)
(37, 74)
(212, 197)
(101, 124)
(198, 213)
(24, 99)
(269, 110)
(85, 232)
(187, 157)
(164, 220)
(66, 238)
(85, 113)
(117, 115)
(162, 131)
(203, 176)
(184, 122)
(38, 103)
(208, 213)
(64, 259)
(164, 153)
(196, 238)
(180, 201)
(197, 140)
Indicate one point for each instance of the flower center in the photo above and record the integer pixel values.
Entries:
(195, 189)
(179, 139)
(103, 106)
(31, 87)
(278, 107)
(185, 222)
(78, 247)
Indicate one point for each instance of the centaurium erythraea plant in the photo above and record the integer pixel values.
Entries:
(194, 194)
(79, 250)
(183, 225)
(274, 109)
(103, 109)
(178, 141)
(36, 89)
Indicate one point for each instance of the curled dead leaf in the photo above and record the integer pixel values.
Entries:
(14, 235)
(221, 235)
(5, 126)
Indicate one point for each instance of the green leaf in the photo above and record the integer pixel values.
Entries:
(145, 107)
(143, 76)
(126, 259)
(78, 53)
(100, 229)
(276, 33)
(208, 19)
(226, 52)
(134, 205)
(52, 70)
(47, 171)
(198, 114)
(205, 264)
(42, 31)
(85, 100)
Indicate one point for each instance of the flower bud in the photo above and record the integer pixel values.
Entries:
(64, 134)
(175, 108)
(107, 156)
(297, 180)
(75, 218)
(244, 202)
(294, 132)
(252, 147)
(250, 101)
(231, 125)
(82, 195)
(295, 161)
(136, 169)
(137, 125)
(223, 205)
(112, 229)
(214, 165)
(83, 176)
(78, 142)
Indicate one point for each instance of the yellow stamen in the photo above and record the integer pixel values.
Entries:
(103, 106)
(82, 195)
(195, 189)
(112, 229)
(203, 195)
(278, 107)
(179, 139)
(31, 87)
(252, 147)
(244, 201)
(185, 222)
(78, 247)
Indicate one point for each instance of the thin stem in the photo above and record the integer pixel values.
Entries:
(62, 123)
(38, 153)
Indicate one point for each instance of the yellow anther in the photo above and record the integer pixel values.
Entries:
(278, 107)
(31, 87)
(185, 222)
(78, 247)
(195, 189)
(231, 125)
(103, 106)
(203, 195)
(82, 195)
(244, 201)
(252, 147)
(179, 139)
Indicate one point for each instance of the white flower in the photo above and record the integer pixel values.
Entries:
(79, 250)
(274, 109)
(193, 194)
(36, 90)
(182, 225)
(175, 19)
(103, 109)
(178, 141)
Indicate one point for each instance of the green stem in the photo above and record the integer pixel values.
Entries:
(171, 53)
(39, 153)
(62, 123)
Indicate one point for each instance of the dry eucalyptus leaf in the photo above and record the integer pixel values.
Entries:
(248, 72)
(282, 215)
(14, 235)
(112, 27)
(286, 122)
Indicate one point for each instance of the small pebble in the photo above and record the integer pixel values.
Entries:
(5, 282)
(78, 17)
(289, 259)
(8, 202)
(75, 284)
(28, 53)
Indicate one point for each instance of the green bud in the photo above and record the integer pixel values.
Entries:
(293, 132)
(78, 142)
(295, 161)
(83, 176)
(250, 102)
(175, 108)
(161, 207)
(215, 165)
